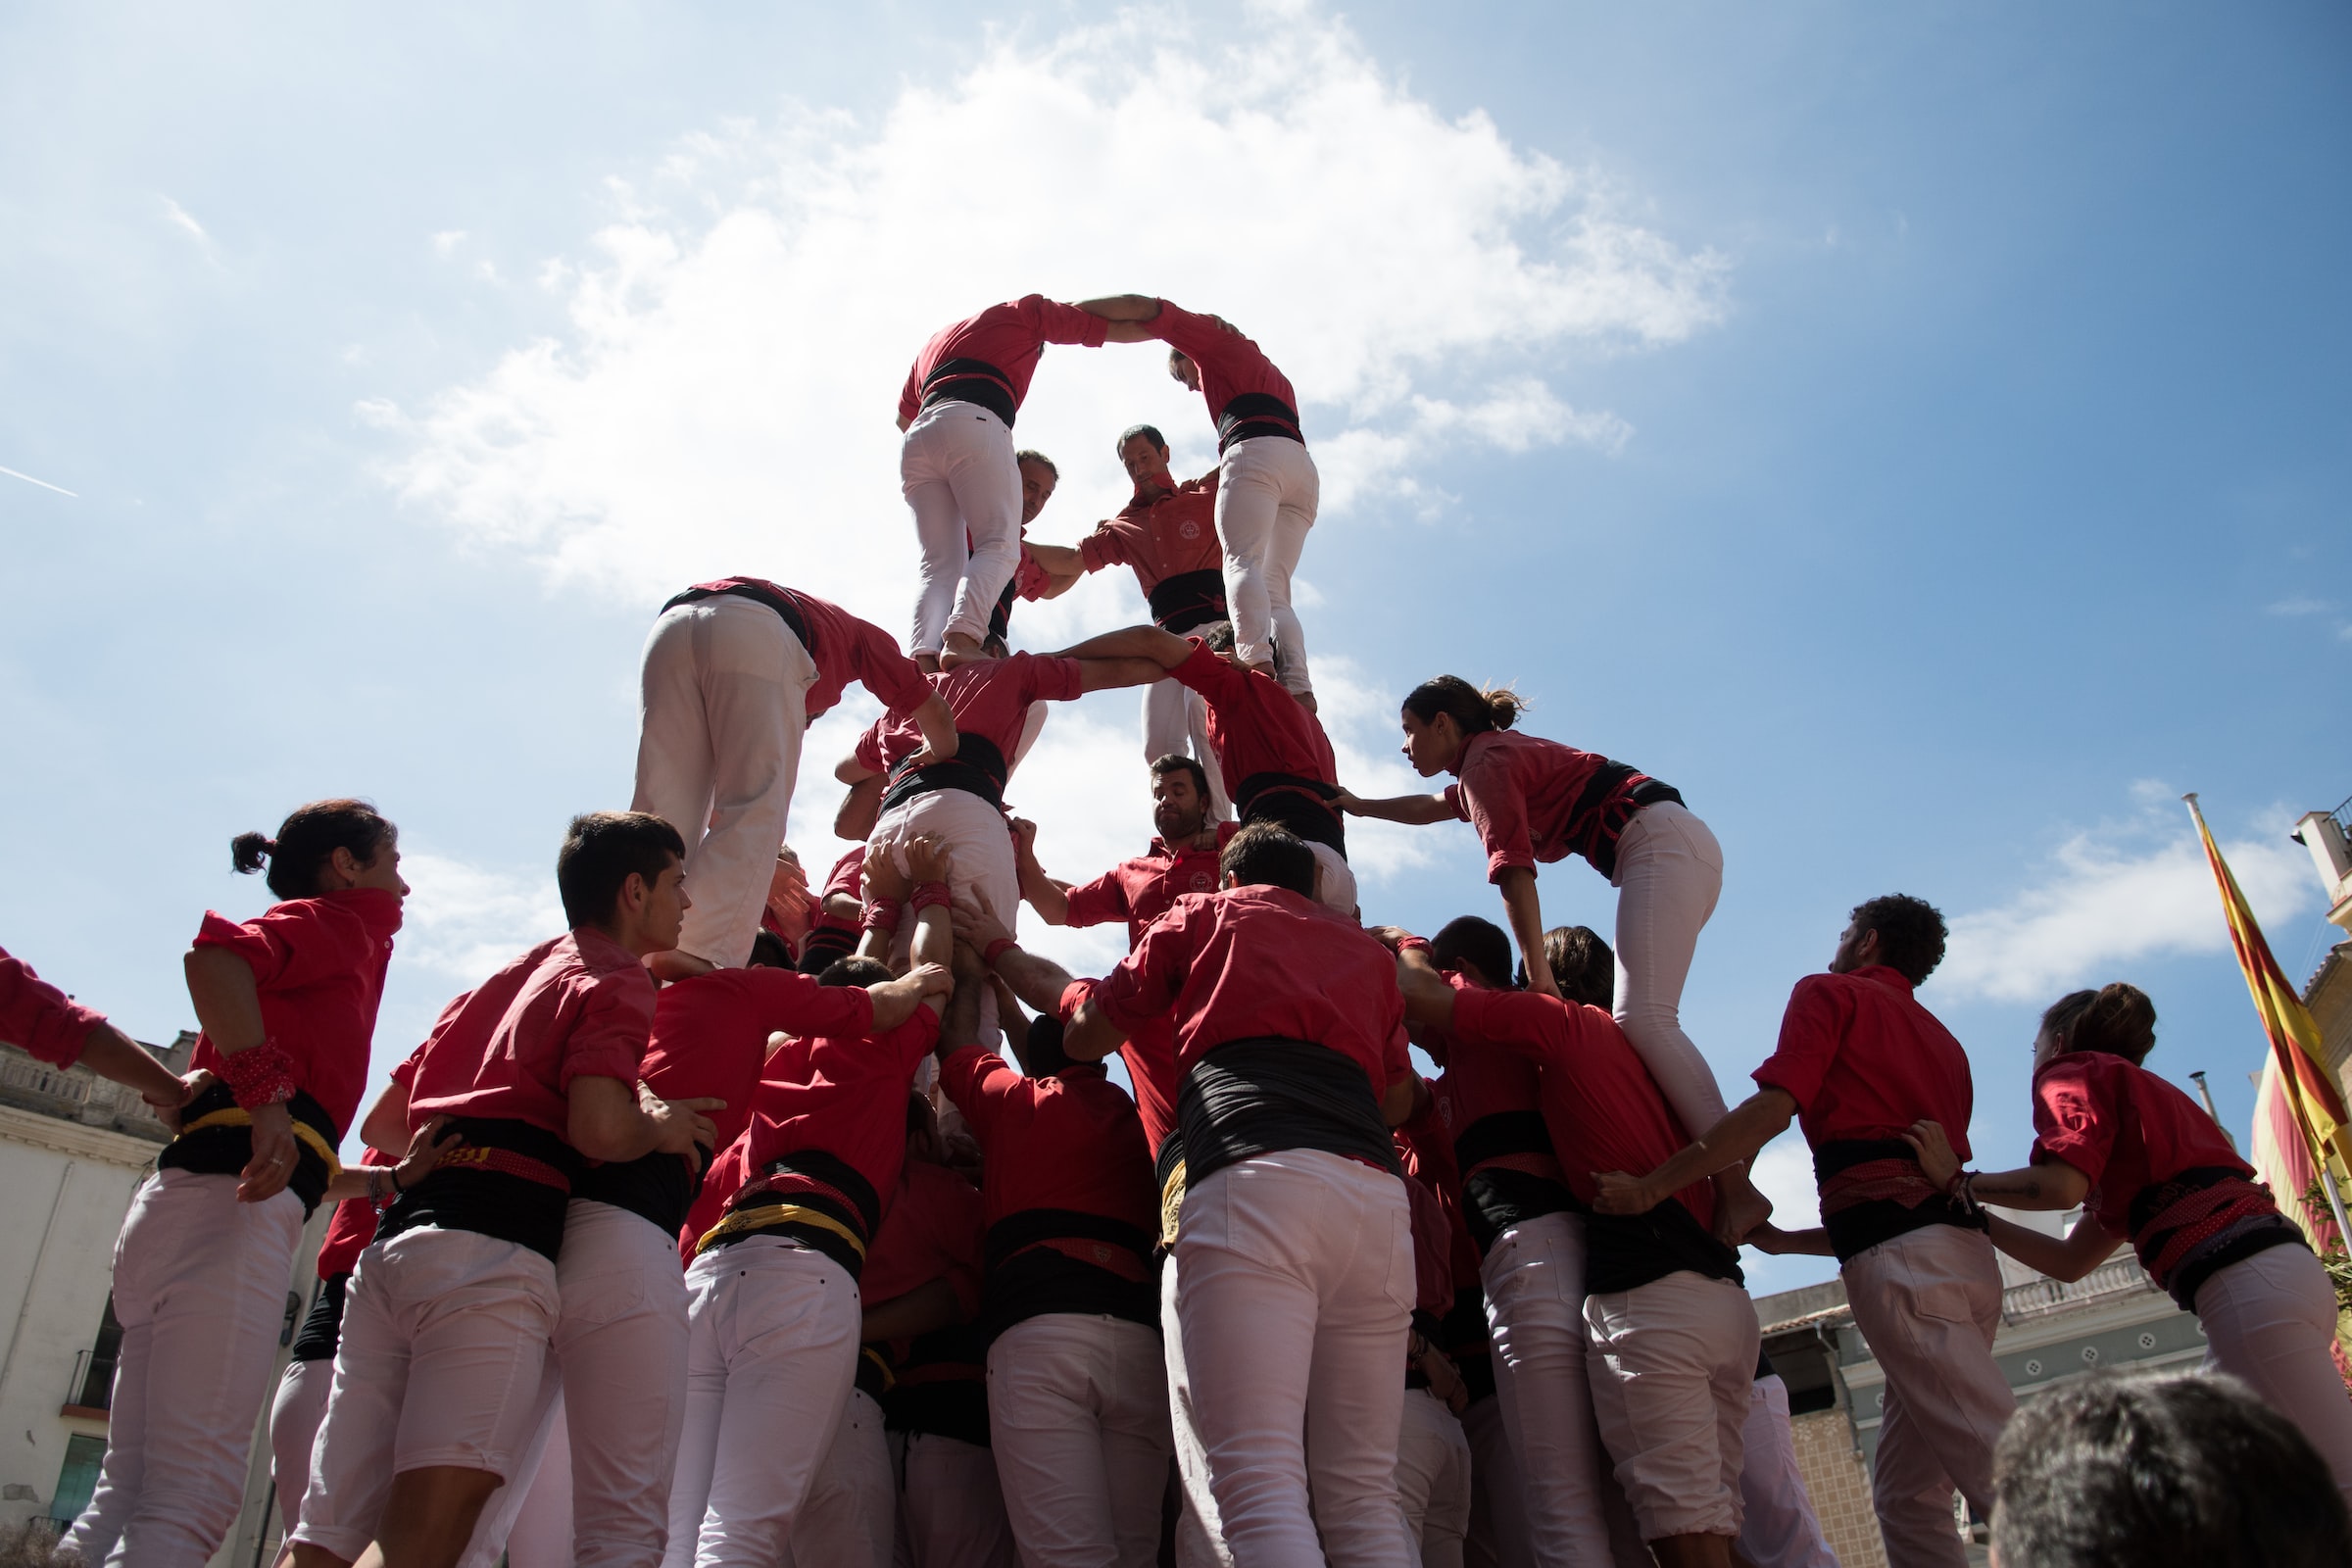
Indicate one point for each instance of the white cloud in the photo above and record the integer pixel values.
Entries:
(465, 920)
(1784, 1173)
(177, 215)
(740, 330)
(2126, 891)
(447, 241)
(2298, 607)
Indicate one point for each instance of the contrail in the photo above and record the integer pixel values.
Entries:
(43, 483)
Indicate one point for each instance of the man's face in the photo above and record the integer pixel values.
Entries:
(665, 908)
(1855, 949)
(1184, 369)
(1147, 464)
(1178, 810)
(1037, 488)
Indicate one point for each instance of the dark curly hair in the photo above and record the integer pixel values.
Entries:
(1911, 933)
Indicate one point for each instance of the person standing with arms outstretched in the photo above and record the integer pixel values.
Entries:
(957, 466)
(1535, 799)
(1267, 487)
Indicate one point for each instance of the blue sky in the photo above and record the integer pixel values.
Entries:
(1917, 433)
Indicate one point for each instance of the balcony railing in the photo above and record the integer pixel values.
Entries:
(74, 1095)
(2041, 1298)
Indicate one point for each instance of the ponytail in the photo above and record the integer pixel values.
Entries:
(2120, 1020)
(306, 841)
(1474, 709)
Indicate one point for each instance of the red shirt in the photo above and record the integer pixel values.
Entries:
(1863, 1059)
(1009, 338)
(729, 1169)
(1427, 1149)
(1433, 1239)
(846, 649)
(1259, 961)
(1255, 726)
(580, 1004)
(1527, 798)
(844, 1095)
(1478, 1084)
(39, 1019)
(319, 966)
(990, 699)
(1230, 364)
(1604, 1111)
(711, 1034)
(2123, 1127)
(1174, 532)
(933, 1232)
(352, 1226)
(1070, 1141)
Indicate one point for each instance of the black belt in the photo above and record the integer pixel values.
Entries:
(502, 1181)
(217, 1140)
(973, 382)
(1267, 1094)
(1297, 804)
(778, 601)
(1256, 414)
(978, 767)
(1188, 600)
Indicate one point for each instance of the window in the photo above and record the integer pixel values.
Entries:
(97, 1390)
(78, 1477)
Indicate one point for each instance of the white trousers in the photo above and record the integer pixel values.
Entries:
(1498, 1536)
(1432, 1479)
(851, 1517)
(1078, 1420)
(725, 691)
(771, 1357)
(1533, 1276)
(1334, 879)
(1266, 494)
(200, 1290)
(975, 833)
(1929, 1302)
(295, 1412)
(951, 1505)
(1779, 1530)
(2269, 1319)
(1176, 723)
(960, 478)
(1669, 875)
(1672, 1363)
(528, 1520)
(1200, 1534)
(1293, 1289)
(620, 1342)
(443, 1364)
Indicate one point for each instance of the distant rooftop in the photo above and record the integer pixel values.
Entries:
(77, 1094)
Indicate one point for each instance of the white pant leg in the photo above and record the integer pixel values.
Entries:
(1432, 1479)
(770, 1363)
(1294, 1288)
(1534, 1277)
(1669, 875)
(958, 471)
(2269, 1319)
(1078, 1420)
(620, 1340)
(1200, 1534)
(1267, 492)
(1498, 1534)
(200, 1290)
(725, 705)
(952, 1505)
(294, 1416)
(1334, 879)
(527, 1520)
(984, 869)
(1779, 1530)
(1672, 1363)
(847, 1521)
(1929, 1302)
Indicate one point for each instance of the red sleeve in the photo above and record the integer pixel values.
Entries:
(38, 1018)
(1488, 799)
(1056, 323)
(614, 1026)
(883, 670)
(1106, 546)
(847, 875)
(295, 944)
(911, 396)
(1054, 680)
(911, 1041)
(1521, 1022)
(1214, 677)
(1193, 337)
(980, 1084)
(1099, 902)
(2074, 1114)
(796, 1004)
(868, 750)
(1146, 982)
(1810, 1030)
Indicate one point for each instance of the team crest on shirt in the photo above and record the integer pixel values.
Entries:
(1203, 882)
(1187, 529)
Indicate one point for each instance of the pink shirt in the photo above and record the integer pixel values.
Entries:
(1230, 365)
(578, 1004)
(1536, 800)
(39, 1019)
(1176, 532)
(1009, 338)
(990, 699)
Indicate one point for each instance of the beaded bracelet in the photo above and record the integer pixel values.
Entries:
(262, 1075)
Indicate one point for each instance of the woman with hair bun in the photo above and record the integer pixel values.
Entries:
(2150, 1164)
(287, 1002)
(1535, 799)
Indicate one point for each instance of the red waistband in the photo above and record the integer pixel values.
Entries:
(1900, 1181)
(506, 1162)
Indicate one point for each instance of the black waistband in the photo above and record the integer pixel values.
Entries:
(659, 1188)
(1260, 1096)
(1169, 1158)
(1841, 1154)
(974, 381)
(227, 1150)
(824, 1184)
(1028, 1279)
(1187, 600)
(780, 601)
(1624, 1252)
(2259, 1234)
(322, 1331)
(2156, 1197)
(978, 767)
(1856, 1230)
(1296, 803)
(493, 1202)
(1500, 1133)
(1256, 414)
(874, 1378)
(1499, 1198)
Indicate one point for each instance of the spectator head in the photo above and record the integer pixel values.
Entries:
(1902, 932)
(2169, 1470)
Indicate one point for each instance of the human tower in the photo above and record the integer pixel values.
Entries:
(719, 1230)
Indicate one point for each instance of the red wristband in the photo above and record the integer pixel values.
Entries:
(1414, 944)
(996, 950)
(929, 896)
(260, 1076)
(879, 918)
(1072, 996)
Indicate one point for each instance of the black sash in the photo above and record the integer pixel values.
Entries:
(658, 1187)
(1864, 1225)
(1026, 1279)
(1188, 600)
(1295, 803)
(1260, 1096)
(492, 1202)
(322, 1331)
(974, 381)
(817, 1181)
(780, 601)
(1624, 1252)
(978, 767)
(227, 1150)
(1256, 414)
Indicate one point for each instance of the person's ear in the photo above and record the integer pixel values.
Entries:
(344, 867)
(635, 893)
(1225, 881)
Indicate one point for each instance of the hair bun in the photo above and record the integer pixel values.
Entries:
(247, 851)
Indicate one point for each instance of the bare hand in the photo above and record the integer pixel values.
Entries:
(1348, 801)
(272, 1166)
(194, 1083)
(977, 926)
(425, 1149)
(885, 884)
(1024, 838)
(681, 1125)
(936, 980)
(929, 860)
(1927, 1140)
(1621, 1193)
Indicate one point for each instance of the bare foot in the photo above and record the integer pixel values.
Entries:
(1738, 1206)
(928, 663)
(677, 965)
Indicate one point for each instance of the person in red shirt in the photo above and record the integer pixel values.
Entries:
(2151, 1168)
(1267, 486)
(1045, 572)
(773, 1287)
(1672, 1332)
(452, 1307)
(1078, 1410)
(1295, 1272)
(50, 1026)
(1271, 750)
(1433, 1453)
(287, 1002)
(1859, 1064)
(734, 672)
(957, 464)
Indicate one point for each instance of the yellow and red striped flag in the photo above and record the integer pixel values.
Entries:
(2307, 1086)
